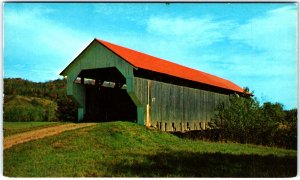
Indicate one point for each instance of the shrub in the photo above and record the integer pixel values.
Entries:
(243, 120)
(237, 120)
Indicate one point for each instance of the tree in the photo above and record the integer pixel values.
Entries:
(243, 120)
(51, 90)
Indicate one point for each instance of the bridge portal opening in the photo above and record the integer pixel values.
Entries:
(106, 98)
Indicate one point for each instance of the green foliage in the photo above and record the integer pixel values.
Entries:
(271, 115)
(238, 120)
(243, 120)
(287, 131)
(273, 112)
(67, 109)
(21, 108)
(52, 90)
(124, 149)
(291, 116)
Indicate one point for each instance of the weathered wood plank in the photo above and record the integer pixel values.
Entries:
(178, 107)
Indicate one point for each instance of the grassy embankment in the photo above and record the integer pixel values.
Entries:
(126, 149)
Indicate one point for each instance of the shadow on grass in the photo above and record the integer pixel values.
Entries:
(188, 164)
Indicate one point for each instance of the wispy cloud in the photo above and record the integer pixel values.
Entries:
(35, 26)
(259, 53)
(45, 42)
(273, 32)
(195, 31)
(122, 11)
(270, 60)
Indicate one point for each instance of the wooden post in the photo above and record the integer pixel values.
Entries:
(148, 123)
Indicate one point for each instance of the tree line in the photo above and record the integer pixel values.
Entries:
(244, 120)
(66, 109)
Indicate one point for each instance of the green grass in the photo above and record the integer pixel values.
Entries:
(123, 149)
(11, 128)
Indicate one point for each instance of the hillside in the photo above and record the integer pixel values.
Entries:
(23, 108)
(123, 149)
(22, 91)
(17, 100)
(49, 89)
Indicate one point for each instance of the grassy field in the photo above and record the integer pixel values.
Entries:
(11, 128)
(123, 149)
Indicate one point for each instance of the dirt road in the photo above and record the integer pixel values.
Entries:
(41, 133)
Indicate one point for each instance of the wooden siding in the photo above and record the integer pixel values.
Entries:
(93, 57)
(177, 108)
(97, 56)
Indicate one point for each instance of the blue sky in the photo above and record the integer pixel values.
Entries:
(251, 44)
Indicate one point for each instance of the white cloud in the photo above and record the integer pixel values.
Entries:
(40, 40)
(274, 32)
(195, 31)
(262, 53)
(269, 65)
(122, 11)
(32, 29)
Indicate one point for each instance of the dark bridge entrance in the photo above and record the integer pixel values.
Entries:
(106, 96)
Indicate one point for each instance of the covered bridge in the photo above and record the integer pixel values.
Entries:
(111, 82)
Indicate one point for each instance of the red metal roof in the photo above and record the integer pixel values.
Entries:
(147, 62)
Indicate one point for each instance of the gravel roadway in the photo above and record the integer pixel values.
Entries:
(41, 133)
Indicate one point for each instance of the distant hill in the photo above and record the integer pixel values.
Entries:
(22, 108)
(25, 100)
(17, 100)
(49, 89)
